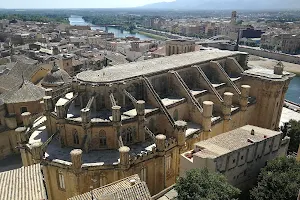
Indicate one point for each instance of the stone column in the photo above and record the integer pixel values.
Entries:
(37, 152)
(124, 156)
(26, 118)
(227, 111)
(207, 115)
(180, 129)
(117, 123)
(76, 158)
(85, 114)
(21, 140)
(48, 108)
(160, 141)
(21, 137)
(140, 109)
(61, 115)
(245, 91)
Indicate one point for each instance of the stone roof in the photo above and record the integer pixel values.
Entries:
(130, 188)
(9, 82)
(232, 140)
(25, 183)
(27, 92)
(130, 70)
(56, 78)
(160, 51)
(116, 58)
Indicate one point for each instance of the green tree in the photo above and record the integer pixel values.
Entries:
(204, 185)
(279, 180)
(292, 129)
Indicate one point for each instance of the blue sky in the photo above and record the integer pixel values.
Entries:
(75, 3)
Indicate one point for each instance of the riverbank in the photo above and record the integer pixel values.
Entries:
(270, 63)
(157, 37)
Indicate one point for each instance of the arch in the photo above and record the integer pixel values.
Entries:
(75, 137)
(175, 115)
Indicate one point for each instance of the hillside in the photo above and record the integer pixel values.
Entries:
(226, 5)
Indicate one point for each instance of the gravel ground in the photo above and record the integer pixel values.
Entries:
(270, 63)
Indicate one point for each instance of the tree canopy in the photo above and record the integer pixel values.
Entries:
(279, 180)
(204, 185)
(292, 129)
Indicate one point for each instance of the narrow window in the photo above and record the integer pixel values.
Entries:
(75, 137)
(102, 180)
(175, 115)
(102, 137)
(61, 180)
(168, 162)
(143, 174)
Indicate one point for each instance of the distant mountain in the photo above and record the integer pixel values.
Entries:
(226, 5)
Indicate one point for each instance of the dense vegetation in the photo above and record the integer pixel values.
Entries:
(35, 17)
(204, 185)
(292, 129)
(279, 180)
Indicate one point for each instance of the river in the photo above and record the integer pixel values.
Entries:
(293, 93)
(77, 20)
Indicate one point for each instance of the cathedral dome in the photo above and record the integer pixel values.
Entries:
(56, 77)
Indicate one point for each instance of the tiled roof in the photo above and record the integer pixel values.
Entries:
(119, 190)
(25, 183)
(27, 92)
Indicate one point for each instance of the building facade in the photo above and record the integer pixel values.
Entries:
(238, 154)
(137, 118)
(179, 47)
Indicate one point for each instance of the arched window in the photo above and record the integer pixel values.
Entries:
(128, 135)
(102, 138)
(175, 115)
(173, 50)
(75, 137)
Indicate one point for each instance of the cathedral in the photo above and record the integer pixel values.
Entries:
(137, 118)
